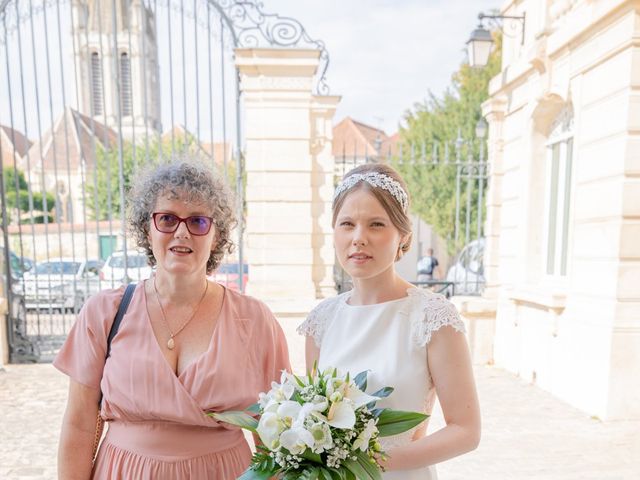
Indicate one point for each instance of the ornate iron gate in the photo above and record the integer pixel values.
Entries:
(91, 91)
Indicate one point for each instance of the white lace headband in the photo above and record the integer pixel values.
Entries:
(376, 179)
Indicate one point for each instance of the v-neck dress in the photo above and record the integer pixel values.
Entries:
(390, 340)
(157, 428)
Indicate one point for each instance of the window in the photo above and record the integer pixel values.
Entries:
(125, 85)
(559, 167)
(96, 83)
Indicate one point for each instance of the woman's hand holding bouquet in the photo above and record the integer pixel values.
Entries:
(320, 426)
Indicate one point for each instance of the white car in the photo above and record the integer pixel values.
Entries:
(61, 283)
(114, 273)
(468, 271)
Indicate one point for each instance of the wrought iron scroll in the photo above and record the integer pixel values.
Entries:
(9, 17)
(252, 28)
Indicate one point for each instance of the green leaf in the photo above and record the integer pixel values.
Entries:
(312, 457)
(393, 422)
(340, 474)
(310, 473)
(255, 408)
(327, 474)
(300, 382)
(362, 471)
(239, 419)
(361, 380)
(251, 474)
(383, 392)
(372, 468)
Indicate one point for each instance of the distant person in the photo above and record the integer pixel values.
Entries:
(428, 267)
(185, 345)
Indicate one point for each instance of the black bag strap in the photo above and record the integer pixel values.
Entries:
(122, 309)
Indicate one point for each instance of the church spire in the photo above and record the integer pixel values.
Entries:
(117, 69)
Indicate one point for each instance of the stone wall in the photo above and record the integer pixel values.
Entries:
(576, 335)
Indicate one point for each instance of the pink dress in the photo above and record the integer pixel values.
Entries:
(156, 425)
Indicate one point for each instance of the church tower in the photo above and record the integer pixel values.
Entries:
(116, 59)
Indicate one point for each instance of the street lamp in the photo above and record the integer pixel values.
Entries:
(481, 128)
(480, 41)
(479, 46)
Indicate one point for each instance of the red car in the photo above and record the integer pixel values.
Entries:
(227, 275)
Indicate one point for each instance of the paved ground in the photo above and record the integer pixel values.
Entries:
(527, 433)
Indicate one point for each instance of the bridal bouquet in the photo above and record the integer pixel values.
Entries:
(320, 426)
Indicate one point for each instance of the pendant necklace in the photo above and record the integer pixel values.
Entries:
(171, 342)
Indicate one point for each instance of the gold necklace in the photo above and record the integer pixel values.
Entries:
(171, 342)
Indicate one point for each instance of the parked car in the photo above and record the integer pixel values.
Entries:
(19, 265)
(227, 275)
(468, 270)
(113, 271)
(26, 264)
(61, 283)
(17, 309)
(341, 278)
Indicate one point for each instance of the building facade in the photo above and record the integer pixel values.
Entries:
(563, 226)
(356, 143)
(132, 102)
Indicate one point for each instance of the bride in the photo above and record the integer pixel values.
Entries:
(407, 338)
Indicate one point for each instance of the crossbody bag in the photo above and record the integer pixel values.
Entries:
(122, 309)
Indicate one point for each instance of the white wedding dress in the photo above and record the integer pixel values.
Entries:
(390, 340)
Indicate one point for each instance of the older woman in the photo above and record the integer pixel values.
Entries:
(185, 345)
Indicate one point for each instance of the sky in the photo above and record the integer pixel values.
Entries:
(386, 55)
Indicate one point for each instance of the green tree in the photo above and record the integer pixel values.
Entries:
(432, 129)
(102, 190)
(17, 201)
(10, 176)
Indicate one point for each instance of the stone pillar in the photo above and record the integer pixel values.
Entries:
(289, 172)
(493, 110)
(4, 337)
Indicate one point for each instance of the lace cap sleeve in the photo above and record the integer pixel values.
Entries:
(316, 322)
(435, 312)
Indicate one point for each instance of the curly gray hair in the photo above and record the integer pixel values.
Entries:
(190, 181)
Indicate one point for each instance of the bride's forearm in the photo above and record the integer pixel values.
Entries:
(449, 442)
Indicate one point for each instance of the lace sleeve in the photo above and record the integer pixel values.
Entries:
(316, 322)
(435, 312)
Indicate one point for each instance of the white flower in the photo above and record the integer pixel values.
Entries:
(338, 387)
(362, 442)
(341, 415)
(320, 403)
(282, 391)
(279, 392)
(321, 437)
(358, 397)
(296, 440)
(269, 429)
(288, 412)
